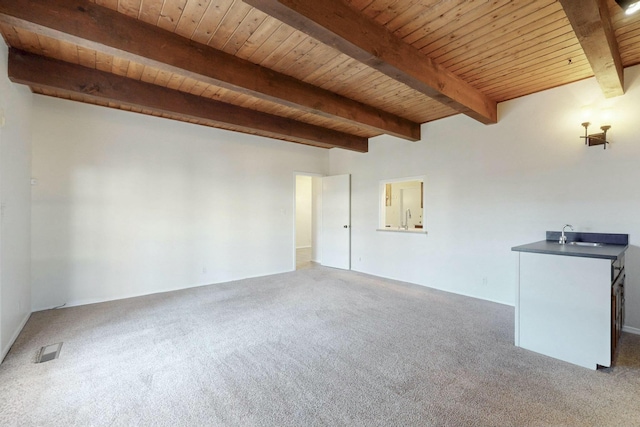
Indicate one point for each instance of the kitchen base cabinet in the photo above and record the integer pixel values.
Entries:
(570, 297)
(563, 308)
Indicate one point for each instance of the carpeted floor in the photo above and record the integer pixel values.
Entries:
(315, 347)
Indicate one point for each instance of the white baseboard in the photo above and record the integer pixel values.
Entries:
(438, 289)
(631, 330)
(14, 337)
(303, 247)
(88, 301)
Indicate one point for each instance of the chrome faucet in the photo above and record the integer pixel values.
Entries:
(563, 238)
(407, 215)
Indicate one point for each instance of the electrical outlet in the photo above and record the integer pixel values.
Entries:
(484, 281)
(204, 270)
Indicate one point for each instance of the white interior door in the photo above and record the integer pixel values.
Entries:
(336, 221)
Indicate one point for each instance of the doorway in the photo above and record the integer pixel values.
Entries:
(308, 220)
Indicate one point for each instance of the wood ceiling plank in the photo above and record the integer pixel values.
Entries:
(312, 60)
(69, 52)
(558, 53)
(263, 33)
(234, 16)
(209, 92)
(28, 40)
(360, 4)
(317, 77)
(163, 78)
(505, 41)
(627, 31)
(86, 57)
(171, 13)
(297, 53)
(104, 62)
(284, 38)
(529, 37)
(342, 73)
(175, 81)
(150, 11)
(471, 21)
(135, 71)
(628, 44)
(592, 24)
(488, 27)
(545, 70)
(187, 84)
(634, 56)
(376, 84)
(401, 12)
(120, 66)
(149, 74)
(241, 34)
(423, 21)
(544, 84)
(191, 17)
(210, 21)
(336, 24)
(101, 29)
(297, 42)
(198, 89)
(628, 34)
(519, 59)
(35, 70)
(532, 83)
(129, 7)
(50, 47)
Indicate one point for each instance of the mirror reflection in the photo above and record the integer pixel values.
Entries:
(403, 204)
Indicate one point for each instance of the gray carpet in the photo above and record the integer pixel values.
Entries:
(316, 347)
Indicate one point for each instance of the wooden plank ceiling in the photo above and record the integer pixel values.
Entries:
(325, 73)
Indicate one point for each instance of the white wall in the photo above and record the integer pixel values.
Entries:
(316, 219)
(304, 211)
(128, 204)
(15, 201)
(489, 188)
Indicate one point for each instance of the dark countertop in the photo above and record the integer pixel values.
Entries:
(551, 247)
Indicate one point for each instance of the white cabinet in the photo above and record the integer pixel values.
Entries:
(564, 308)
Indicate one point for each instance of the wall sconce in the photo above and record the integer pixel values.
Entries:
(595, 138)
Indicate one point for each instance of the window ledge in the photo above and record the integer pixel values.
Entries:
(402, 230)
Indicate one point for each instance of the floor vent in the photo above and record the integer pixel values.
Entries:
(49, 352)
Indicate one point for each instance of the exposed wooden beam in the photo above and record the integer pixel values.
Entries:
(47, 73)
(591, 22)
(95, 27)
(336, 24)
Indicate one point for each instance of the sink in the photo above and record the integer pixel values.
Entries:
(590, 244)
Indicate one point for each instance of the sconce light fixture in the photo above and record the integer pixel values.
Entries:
(595, 138)
(629, 6)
